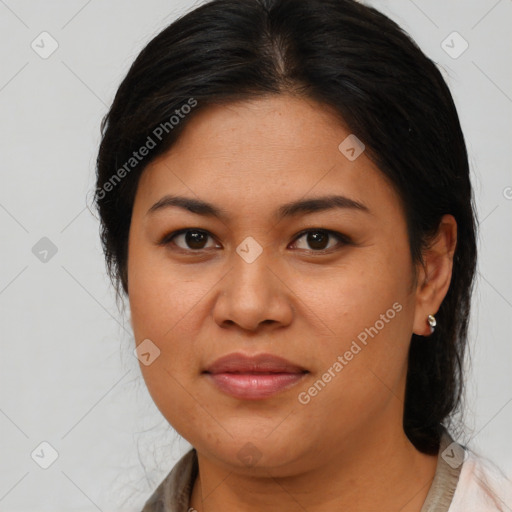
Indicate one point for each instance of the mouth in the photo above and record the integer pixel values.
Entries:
(253, 377)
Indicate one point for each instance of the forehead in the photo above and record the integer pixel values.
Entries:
(254, 155)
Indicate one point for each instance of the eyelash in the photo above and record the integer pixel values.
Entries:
(342, 239)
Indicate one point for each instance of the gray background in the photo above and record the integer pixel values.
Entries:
(68, 376)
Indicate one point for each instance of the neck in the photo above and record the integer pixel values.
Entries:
(366, 473)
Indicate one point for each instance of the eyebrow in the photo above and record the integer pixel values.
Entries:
(292, 209)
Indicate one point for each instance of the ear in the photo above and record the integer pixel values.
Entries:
(435, 275)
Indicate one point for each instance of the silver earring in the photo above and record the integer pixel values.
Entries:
(431, 319)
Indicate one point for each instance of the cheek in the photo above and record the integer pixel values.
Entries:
(362, 358)
(351, 297)
(169, 305)
(364, 311)
(162, 303)
(160, 294)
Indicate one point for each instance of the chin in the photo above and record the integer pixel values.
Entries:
(247, 454)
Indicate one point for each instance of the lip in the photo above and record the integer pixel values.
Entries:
(253, 377)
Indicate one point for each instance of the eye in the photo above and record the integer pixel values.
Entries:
(194, 239)
(318, 239)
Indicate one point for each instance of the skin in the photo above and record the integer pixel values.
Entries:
(345, 449)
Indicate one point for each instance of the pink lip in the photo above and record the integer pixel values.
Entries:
(253, 377)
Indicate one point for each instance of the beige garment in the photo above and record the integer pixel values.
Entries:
(173, 493)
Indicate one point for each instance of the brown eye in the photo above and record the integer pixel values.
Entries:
(318, 239)
(188, 239)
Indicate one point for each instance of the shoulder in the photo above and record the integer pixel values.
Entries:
(173, 493)
(482, 487)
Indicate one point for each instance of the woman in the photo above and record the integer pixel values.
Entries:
(285, 199)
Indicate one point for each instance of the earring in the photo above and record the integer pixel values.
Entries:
(431, 319)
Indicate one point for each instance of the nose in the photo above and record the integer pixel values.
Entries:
(253, 296)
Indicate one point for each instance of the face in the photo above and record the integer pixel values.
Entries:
(265, 269)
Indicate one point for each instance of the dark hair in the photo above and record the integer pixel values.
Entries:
(360, 65)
